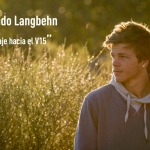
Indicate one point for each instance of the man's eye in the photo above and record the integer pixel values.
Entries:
(123, 56)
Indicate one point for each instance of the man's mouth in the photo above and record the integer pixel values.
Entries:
(116, 72)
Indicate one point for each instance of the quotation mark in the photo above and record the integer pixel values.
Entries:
(49, 35)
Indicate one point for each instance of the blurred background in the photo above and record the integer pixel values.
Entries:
(80, 22)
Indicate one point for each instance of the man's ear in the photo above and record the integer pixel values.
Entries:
(145, 63)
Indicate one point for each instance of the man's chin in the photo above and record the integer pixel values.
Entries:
(118, 79)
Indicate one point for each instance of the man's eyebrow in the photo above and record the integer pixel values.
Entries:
(119, 53)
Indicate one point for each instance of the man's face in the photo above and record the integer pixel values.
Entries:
(125, 65)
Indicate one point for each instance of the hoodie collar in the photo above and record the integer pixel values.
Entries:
(124, 92)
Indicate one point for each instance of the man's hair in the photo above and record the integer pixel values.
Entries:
(132, 33)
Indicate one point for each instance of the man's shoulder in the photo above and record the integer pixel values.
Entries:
(104, 91)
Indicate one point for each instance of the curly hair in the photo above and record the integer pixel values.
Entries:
(136, 35)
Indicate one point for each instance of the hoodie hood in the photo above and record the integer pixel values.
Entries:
(132, 100)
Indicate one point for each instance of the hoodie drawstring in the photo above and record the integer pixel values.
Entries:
(145, 116)
(128, 106)
(145, 120)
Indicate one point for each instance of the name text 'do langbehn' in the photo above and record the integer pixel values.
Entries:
(32, 22)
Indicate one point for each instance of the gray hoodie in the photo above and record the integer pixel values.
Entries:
(132, 100)
(103, 114)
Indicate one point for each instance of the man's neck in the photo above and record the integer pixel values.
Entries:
(140, 88)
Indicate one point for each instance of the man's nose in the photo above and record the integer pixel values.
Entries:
(115, 61)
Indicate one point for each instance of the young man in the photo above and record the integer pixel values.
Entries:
(117, 116)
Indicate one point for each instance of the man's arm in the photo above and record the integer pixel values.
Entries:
(86, 133)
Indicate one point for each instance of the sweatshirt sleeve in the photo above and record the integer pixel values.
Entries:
(86, 132)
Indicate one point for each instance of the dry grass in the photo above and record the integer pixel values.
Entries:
(40, 100)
